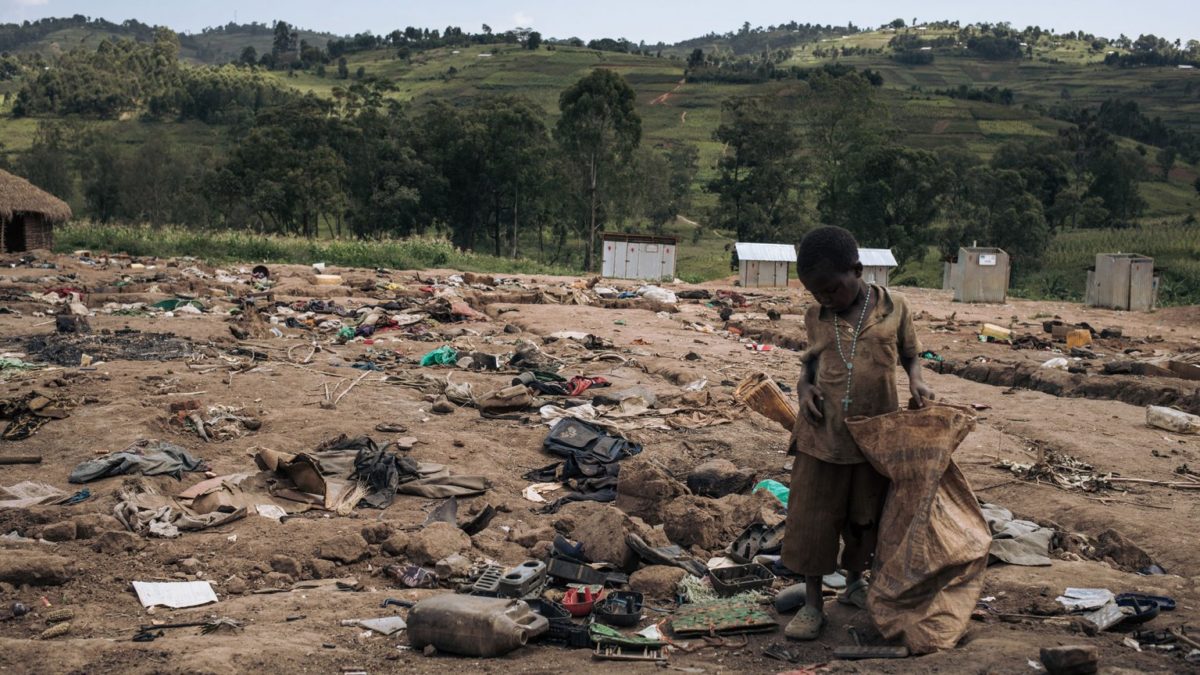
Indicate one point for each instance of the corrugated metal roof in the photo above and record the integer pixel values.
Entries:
(876, 257)
(767, 252)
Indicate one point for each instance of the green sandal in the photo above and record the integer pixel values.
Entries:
(806, 625)
(855, 594)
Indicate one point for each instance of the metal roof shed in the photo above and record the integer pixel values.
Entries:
(877, 263)
(638, 256)
(1122, 281)
(764, 264)
(978, 275)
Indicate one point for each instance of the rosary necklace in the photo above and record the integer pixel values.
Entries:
(837, 336)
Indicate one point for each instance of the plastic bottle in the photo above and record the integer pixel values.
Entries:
(1172, 420)
(473, 626)
(777, 489)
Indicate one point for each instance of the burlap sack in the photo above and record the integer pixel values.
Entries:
(933, 539)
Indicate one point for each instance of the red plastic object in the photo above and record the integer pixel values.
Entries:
(579, 602)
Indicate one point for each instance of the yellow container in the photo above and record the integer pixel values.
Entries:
(995, 332)
(1079, 338)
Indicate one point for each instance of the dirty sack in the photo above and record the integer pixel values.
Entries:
(145, 457)
(1017, 542)
(933, 539)
(143, 510)
(508, 400)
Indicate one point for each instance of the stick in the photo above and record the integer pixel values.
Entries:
(360, 377)
(1148, 481)
(21, 459)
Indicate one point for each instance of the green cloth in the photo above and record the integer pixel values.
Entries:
(779, 490)
(442, 356)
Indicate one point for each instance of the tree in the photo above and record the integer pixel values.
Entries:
(897, 23)
(695, 59)
(533, 41)
(759, 177)
(598, 130)
(48, 162)
(343, 71)
(249, 56)
(1196, 185)
(1166, 160)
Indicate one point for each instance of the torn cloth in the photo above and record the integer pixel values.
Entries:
(145, 457)
(1017, 542)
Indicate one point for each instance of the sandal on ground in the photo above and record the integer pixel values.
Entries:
(806, 625)
(855, 594)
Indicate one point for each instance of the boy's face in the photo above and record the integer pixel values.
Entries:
(836, 291)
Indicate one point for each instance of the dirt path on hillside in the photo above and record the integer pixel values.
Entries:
(120, 399)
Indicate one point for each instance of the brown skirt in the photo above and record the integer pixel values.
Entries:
(828, 503)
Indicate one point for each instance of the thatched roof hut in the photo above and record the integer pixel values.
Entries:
(28, 214)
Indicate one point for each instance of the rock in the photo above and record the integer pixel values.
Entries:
(1113, 544)
(21, 567)
(1071, 659)
(90, 525)
(236, 586)
(717, 478)
(189, 565)
(323, 569)
(111, 543)
(286, 565)
(396, 544)
(644, 488)
(344, 548)
(541, 550)
(453, 566)
(436, 541)
(429, 650)
(376, 532)
(64, 531)
(442, 406)
(279, 580)
(510, 329)
(712, 524)
(601, 528)
(656, 581)
(527, 536)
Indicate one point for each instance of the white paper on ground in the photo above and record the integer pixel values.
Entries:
(174, 594)
(270, 511)
(1085, 598)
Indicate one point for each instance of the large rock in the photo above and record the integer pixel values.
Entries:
(1117, 547)
(717, 478)
(64, 531)
(1071, 659)
(89, 525)
(396, 544)
(286, 565)
(21, 567)
(712, 524)
(644, 489)
(656, 581)
(601, 528)
(345, 548)
(112, 543)
(527, 535)
(437, 541)
(376, 532)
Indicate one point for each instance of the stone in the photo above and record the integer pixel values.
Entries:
(656, 581)
(323, 569)
(396, 544)
(111, 543)
(286, 565)
(527, 536)
(436, 541)
(189, 565)
(541, 550)
(1128, 555)
(453, 566)
(376, 532)
(90, 525)
(279, 580)
(236, 586)
(711, 524)
(64, 531)
(1071, 659)
(601, 528)
(717, 478)
(344, 548)
(644, 488)
(23, 567)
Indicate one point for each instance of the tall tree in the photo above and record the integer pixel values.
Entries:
(599, 130)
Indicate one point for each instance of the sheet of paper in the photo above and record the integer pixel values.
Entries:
(174, 594)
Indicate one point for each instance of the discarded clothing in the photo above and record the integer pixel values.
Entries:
(508, 400)
(442, 356)
(587, 446)
(1017, 542)
(28, 493)
(145, 457)
(579, 384)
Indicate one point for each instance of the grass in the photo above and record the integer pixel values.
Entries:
(226, 246)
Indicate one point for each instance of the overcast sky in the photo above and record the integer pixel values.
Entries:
(666, 20)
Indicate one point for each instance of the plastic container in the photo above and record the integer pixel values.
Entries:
(779, 490)
(1172, 420)
(562, 629)
(579, 601)
(620, 608)
(736, 579)
(473, 626)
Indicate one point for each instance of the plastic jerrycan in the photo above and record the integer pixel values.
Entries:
(472, 625)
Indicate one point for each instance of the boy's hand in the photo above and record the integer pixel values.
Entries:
(811, 402)
(920, 391)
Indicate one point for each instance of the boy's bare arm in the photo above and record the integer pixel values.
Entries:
(916, 381)
(806, 391)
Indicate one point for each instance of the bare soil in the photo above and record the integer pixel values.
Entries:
(122, 400)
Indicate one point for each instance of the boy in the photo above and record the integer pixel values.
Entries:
(856, 334)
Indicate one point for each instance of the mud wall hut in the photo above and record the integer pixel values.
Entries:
(764, 264)
(1122, 281)
(28, 215)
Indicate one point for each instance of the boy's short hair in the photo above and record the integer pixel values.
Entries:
(828, 247)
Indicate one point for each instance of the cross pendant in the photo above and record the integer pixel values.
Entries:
(846, 404)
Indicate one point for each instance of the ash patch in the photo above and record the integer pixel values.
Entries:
(66, 349)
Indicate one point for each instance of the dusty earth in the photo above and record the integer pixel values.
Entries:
(118, 401)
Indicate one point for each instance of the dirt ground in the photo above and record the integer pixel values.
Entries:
(117, 401)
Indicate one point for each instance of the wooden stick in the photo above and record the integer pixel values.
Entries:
(1148, 481)
(21, 459)
(360, 377)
